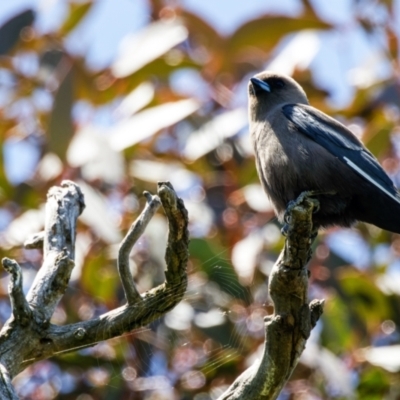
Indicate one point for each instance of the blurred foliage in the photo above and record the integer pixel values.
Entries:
(171, 105)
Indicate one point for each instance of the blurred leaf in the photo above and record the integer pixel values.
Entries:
(28, 223)
(180, 317)
(367, 300)
(105, 227)
(335, 371)
(245, 255)
(10, 31)
(153, 171)
(91, 151)
(87, 87)
(377, 135)
(374, 384)
(256, 198)
(49, 167)
(213, 133)
(48, 64)
(393, 43)
(150, 121)
(136, 100)
(367, 25)
(60, 128)
(387, 357)
(264, 33)
(379, 142)
(160, 70)
(337, 334)
(152, 42)
(99, 277)
(297, 53)
(6, 188)
(76, 12)
(308, 9)
(201, 33)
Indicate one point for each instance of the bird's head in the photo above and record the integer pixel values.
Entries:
(268, 90)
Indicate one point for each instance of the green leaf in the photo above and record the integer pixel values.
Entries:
(371, 305)
(374, 384)
(377, 134)
(99, 277)
(337, 332)
(76, 14)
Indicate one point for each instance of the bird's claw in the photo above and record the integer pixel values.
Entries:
(309, 194)
(316, 205)
(292, 204)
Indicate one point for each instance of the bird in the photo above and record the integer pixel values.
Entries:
(302, 152)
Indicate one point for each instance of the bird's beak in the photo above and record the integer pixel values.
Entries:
(259, 84)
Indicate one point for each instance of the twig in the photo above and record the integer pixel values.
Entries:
(20, 307)
(136, 230)
(41, 339)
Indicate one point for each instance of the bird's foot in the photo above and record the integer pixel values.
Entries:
(309, 194)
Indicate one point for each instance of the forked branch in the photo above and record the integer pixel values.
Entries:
(28, 336)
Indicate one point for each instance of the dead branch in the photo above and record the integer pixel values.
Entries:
(28, 336)
(287, 330)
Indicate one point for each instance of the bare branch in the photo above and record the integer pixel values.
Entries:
(64, 205)
(153, 304)
(290, 326)
(134, 233)
(20, 307)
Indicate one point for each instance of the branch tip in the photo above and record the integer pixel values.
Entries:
(73, 187)
(10, 265)
(20, 307)
(148, 196)
(167, 195)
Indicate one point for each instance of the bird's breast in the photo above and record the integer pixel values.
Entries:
(277, 172)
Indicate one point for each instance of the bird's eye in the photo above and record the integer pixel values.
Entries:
(279, 83)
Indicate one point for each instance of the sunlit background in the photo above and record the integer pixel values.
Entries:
(119, 94)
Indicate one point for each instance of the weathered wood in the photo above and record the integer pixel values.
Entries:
(288, 329)
(28, 336)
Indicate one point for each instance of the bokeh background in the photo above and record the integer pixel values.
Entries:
(119, 94)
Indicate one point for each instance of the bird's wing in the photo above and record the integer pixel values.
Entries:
(341, 143)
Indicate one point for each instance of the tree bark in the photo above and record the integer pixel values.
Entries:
(28, 336)
(287, 330)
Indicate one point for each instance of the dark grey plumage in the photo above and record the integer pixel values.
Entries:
(299, 148)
